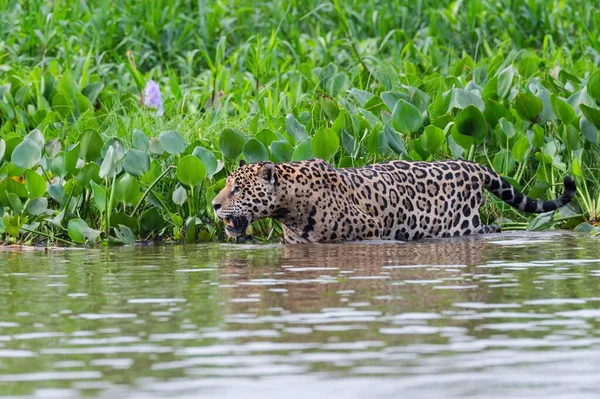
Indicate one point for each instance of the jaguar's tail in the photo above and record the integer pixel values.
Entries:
(495, 184)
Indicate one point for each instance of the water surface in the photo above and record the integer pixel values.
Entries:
(497, 316)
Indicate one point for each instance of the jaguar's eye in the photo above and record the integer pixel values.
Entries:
(235, 190)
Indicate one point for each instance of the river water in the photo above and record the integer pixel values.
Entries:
(498, 316)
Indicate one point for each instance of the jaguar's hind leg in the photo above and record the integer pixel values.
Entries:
(488, 228)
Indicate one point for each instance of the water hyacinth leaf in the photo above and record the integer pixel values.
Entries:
(461, 99)
(90, 171)
(281, 151)
(563, 111)
(172, 142)
(108, 167)
(125, 235)
(179, 196)
(92, 91)
(593, 85)
(90, 145)
(528, 106)
(136, 162)
(470, 122)
(27, 154)
(591, 114)
(155, 147)
(543, 221)
(15, 203)
(295, 128)
(231, 143)
(348, 143)
(118, 147)
(71, 158)
(56, 191)
(120, 218)
(255, 151)
(62, 105)
(519, 149)
(37, 206)
(394, 141)
(325, 143)
(151, 221)
(267, 136)
(529, 65)
(208, 159)
(406, 117)
(432, 139)
(503, 162)
(190, 171)
(79, 231)
(35, 184)
(11, 144)
(507, 128)
(588, 130)
(140, 140)
(2, 149)
(53, 147)
(127, 189)
(37, 137)
(505, 79)
(99, 196)
(303, 150)
(576, 167)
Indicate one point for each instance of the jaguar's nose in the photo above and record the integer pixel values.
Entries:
(216, 206)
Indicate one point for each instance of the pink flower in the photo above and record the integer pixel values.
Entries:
(153, 97)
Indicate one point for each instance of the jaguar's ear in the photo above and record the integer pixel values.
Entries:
(267, 172)
(242, 162)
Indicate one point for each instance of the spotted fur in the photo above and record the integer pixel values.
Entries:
(397, 200)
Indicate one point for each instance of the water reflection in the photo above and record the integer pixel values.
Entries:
(501, 315)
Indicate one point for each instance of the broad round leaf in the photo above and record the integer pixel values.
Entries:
(155, 147)
(470, 122)
(281, 151)
(266, 137)
(208, 159)
(37, 137)
(303, 150)
(255, 151)
(172, 142)
(432, 139)
(35, 184)
(295, 128)
(37, 206)
(593, 85)
(127, 189)
(140, 140)
(118, 146)
(406, 117)
(190, 171)
(591, 114)
(505, 79)
(151, 220)
(179, 196)
(90, 171)
(27, 154)
(79, 231)
(136, 162)
(528, 106)
(520, 149)
(90, 145)
(231, 143)
(108, 167)
(2, 149)
(325, 143)
(99, 195)
(563, 110)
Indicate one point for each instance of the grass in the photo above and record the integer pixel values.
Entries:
(499, 82)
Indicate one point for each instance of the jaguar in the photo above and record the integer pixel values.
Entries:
(396, 200)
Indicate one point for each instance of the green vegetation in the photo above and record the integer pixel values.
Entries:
(92, 150)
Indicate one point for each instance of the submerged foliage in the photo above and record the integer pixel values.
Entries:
(121, 123)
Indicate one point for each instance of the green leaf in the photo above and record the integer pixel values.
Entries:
(593, 86)
(461, 99)
(120, 218)
(37, 206)
(90, 145)
(136, 162)
(231, 143)
(470, 122)
(208, 159)
(505, 79)
(108, 167)
(2, 149)
(529, 65)
(125, 235)
(37, 137)
(432, 139)
(281, 151)
(588, 130)
(325, 143)
(151, 220)
(255, 151)
(503, 162)
(79, 231)
(172, 142)
(266, 137)
(563, 111)
(67, 84)
(118, 147)
(179, 196)
(35, 184)
(140, 140)
(155, 147)
(394, 141)
(543, 221)
(528, 106)
(591, 114)
(71, 158)
(303, 150)
(507, 128)
(295, 128)
(406, 117)
(15, 203)
(90, 171)
(190, 171)
(519, 149)
(99, 196)
(127, 189)
(27, 154)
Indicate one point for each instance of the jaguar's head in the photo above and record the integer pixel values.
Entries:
(248, 195)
